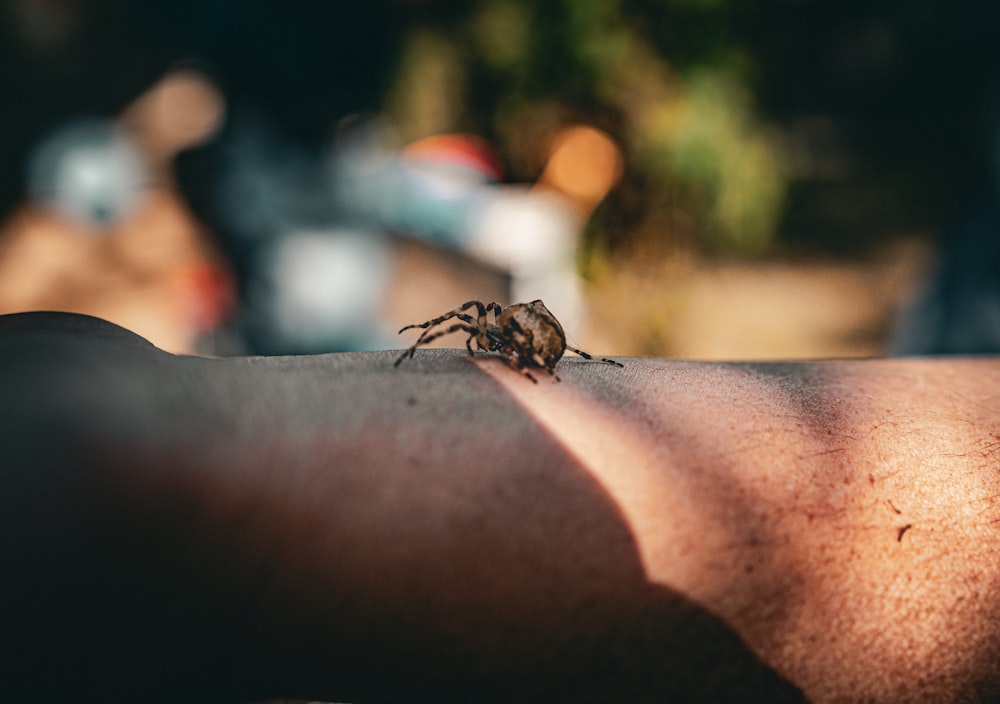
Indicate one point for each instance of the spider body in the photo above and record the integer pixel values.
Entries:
(526, 335)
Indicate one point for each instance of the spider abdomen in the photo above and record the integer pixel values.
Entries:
(534, 334)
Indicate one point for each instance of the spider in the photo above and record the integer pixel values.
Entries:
(526, 334)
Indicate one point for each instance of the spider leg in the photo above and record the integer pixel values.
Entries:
(484, 338)
(477, 327)
(457, 313)
(515, 362)
(427, 338)
(591, 357)
(522, 365)
(432, 333)
(539, 362)
(496, 308)
(477, 336)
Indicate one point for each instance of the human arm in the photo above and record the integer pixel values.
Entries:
(332, 527)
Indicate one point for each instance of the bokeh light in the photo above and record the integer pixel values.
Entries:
(627, 162)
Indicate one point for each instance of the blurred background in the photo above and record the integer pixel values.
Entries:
(694, 178)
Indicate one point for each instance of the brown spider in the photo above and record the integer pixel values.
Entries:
(526, 334)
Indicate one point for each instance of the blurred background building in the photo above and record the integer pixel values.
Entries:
(713, 179)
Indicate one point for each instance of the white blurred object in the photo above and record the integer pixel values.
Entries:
(447, 190)
(326, 288)
(89, 171)
(533, 236)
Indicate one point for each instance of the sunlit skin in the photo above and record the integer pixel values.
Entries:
(337, 528)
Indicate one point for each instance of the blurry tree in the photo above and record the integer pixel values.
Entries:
(745, 122)
(889, 107)
(664, 77)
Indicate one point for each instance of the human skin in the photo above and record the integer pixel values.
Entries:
(332, 527)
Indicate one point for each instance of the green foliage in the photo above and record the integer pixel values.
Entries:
(663, 76)
(720, 151)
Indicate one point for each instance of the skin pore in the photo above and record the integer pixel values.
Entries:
(335, 528)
